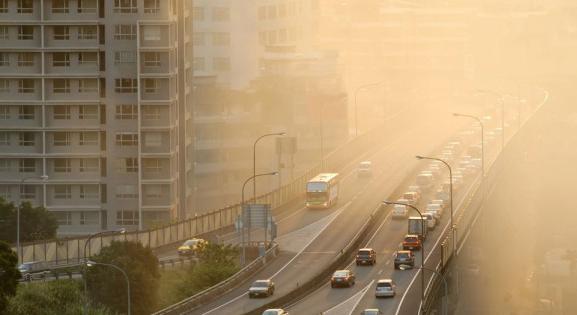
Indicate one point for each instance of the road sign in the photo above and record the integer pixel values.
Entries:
(256, 215)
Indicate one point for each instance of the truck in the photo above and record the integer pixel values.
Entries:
(416, 225)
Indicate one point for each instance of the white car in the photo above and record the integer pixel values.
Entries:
(385, 288)
(436, 209)
(275, 311)
(415, 188)
(425, 181)
(412, 196)
(441, 202)
(365, 169)
(431, 220)
(400, 211)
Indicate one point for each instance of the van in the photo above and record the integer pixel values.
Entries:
(425, 180)
(32, 269)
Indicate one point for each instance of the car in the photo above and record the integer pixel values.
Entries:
(366, 256)
(425, 180)
(365, 169)
(431, 220)
(261, 288)
(440, 202)
(400, 212)
(33, 269)
(404, 257)
(412, 197)
(191, 247)
(385, 288)
(415, 188)
(275, 311)
(435, 208)
(342, 278)
(411, 241)
(371, 311)
(442, 194)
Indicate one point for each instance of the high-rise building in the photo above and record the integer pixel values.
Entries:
(95, 110)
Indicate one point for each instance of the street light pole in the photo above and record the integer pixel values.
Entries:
(121, 231)
(423, 227)
(482, 139)
(243, 215)
(254, 163)
(19, 205)
(92, 263)
(362, 87)
(420, 157)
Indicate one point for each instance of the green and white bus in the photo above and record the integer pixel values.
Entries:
(322, 190)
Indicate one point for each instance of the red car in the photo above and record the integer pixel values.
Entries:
(412, 242)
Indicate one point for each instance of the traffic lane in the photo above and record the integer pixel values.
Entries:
(325, 247)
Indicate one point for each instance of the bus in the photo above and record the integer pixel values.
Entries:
(322, 190)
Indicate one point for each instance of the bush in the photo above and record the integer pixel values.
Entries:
(9, 274)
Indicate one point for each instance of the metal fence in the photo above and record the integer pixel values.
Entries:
(70, 250)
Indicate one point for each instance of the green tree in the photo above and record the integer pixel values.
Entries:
(9, 274)
(215, 264)
(61, 297)
(36, 223)
(107, 286)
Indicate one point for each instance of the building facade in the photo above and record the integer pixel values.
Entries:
(95, 109)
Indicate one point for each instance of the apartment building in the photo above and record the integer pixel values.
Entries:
(95, 110)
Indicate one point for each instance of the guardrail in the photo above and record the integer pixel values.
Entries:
(69, 250)
(198, 299)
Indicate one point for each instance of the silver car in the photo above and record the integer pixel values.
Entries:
(385, 288)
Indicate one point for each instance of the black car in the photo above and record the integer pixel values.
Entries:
(404, 257)
(263, 288)
(342, 278)
(366, 256)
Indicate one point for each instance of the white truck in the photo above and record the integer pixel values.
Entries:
(418, 226)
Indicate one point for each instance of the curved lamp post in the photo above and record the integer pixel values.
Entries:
(243, 256)
(90, 263)
(423, 227)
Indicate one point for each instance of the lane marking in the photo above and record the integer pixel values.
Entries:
(361, 293)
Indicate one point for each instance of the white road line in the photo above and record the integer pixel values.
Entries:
(361, 293)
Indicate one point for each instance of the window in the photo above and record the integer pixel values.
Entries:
(4, 165)
(25, 32)
(4, 61)
(152, 165)
(128, 165)
(3, 6)
(197, 38)
(27, 192)
(89, 217)
(26, 139)
(61, 112)
(125, 32)
(126, 217)
(152, 33)
(125, 139)
(62, 191)
(5, 192)
(125, 85)
(151, 6)
(151, 112)
(4, 138)
(61, 138)
(25, 6)
(4, 32)
(26, 86)
(63, 217)
(4, 112)
(153, 139)
(87, 32)
(25, 59)
(62, 166)
(126, 112)
(26, 112)
(4, 86)
(61, 86)
(61, 32)
(124, 57)
(60, 59)
(27, 166)
(87, 58)
(89, 191)
(221, 64)
(153, 191)
(198, 13)
(221, 39)
(220, 14)
(59, 6)
(88, 138)
(198, 63)
(87, 86)
(151, 59)
(88, 165)
(151, 86)
(87, 112)
(125, 6)
(126, 191)
(86, 6)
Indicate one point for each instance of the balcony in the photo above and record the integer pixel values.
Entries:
(155, 195)
(21, 13)
(157, 89)
(156, 36)
(21, 91)
(85, 90)
(23, 64)
(73, 143)
(155, 117)
(157, 143)
(22, 37)
(32, 194)
(22, 144)
(62, 36)
(73, 117)
(74, 11)
(157, 62)
(156, 169)
(22, 117)
(71, 64)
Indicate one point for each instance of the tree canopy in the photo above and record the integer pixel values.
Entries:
(36, 223)
(9, 274)
(107, 286)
